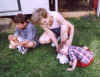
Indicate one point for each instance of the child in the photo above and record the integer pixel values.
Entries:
(54, 26)
(24, 36)
(78, 56)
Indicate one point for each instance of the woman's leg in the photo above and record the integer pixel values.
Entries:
(44, 38)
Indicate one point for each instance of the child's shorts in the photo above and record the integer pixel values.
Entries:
(81, 64)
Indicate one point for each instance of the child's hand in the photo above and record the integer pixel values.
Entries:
(85, 47)
(69, 69)
(24, 42)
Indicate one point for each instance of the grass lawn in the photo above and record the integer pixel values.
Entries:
(41, 61)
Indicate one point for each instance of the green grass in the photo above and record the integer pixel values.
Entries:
(41, 61)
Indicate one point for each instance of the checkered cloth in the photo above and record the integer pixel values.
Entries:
(80, 54)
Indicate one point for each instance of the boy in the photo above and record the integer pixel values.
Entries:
(78, 56)
(25, 35)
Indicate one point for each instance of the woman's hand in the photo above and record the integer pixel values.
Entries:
(57, 48)
(69, 42)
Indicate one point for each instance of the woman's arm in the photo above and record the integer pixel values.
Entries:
(52, 37)
(67, 30)
(70, 33)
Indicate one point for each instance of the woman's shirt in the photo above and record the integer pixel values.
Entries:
(55, 23)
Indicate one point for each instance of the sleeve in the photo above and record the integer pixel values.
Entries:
(17, 32)
(31, 33)
(72, 56)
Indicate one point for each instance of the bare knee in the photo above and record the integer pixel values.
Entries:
(44, 41)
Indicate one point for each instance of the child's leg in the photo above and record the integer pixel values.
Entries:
(44, 39)
(24, 47)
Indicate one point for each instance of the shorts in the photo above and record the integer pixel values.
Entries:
(56, 31)
(36, 43)
(81, 64)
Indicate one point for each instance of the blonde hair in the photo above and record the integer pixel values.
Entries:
(38, 14)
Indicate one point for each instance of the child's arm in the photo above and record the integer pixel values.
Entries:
(73, 59)
(68, 30)
(31, 33)
(73, 65)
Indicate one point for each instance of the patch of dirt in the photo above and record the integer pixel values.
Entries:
(76, 14)
(5, 24)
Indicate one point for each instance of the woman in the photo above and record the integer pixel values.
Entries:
(54, 25)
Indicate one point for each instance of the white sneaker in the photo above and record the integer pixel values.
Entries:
(22, 50)
(53, 45)
(62, 59)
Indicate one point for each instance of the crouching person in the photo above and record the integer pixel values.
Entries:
(25, 35)
(77, 56)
